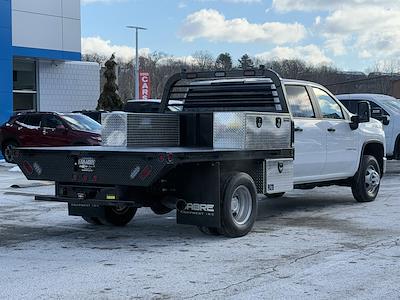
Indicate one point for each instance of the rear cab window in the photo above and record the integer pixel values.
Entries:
(299, 102)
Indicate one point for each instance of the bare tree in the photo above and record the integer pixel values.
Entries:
(204, 60)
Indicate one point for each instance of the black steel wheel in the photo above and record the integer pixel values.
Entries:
(366, 183)
(239, 204)
(160, 209)
(118, 215)
(7, 151)
(209, 230)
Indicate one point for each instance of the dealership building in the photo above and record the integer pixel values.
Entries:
(40, 58)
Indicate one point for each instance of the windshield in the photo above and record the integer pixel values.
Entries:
(393, 103)
(82, 123)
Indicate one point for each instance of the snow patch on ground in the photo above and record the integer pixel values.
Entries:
(15, 169)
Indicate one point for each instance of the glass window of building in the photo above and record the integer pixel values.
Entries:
(24, 85)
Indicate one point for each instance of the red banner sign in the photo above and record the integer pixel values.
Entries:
(144, 86)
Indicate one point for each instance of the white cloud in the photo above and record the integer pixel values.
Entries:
(327, 5)
(96, 45)
(368, 28)
(310, 53)
(210, 24)
(86, 2)
(370, 31)
(233, 1)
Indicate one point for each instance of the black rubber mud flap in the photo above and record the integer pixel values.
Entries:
(200, 188)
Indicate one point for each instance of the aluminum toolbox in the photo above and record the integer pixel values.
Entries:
(140, 129)
(278, 176)
(252, 130)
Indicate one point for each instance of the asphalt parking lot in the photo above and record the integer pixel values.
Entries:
(317, 244)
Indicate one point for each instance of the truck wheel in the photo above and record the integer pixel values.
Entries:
(92, 220)
(366, 182)
(209, 230)
(160, 209)
(276, 195)
(7, 149)
(118, 215)
(239, 205)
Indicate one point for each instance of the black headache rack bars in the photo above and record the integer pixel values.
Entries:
(225, 91)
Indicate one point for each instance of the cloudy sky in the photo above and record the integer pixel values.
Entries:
(350, 34)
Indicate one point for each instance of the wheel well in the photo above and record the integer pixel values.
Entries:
(376, 150)
(396, 150)
(8, 140)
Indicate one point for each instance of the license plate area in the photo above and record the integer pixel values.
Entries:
(85, 164)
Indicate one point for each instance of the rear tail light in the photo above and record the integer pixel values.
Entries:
(146, 172)
(27, 167)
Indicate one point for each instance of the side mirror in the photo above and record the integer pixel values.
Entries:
(355, 121)
(364, 111)
(385, 120)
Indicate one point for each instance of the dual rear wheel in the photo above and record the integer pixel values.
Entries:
(113, 215)
(238, 206)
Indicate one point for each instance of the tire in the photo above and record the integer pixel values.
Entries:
(118, 216)
(92, 220)
(160, 209)
(210, 230)
(238, 204)
(6, 150)
(276, 195)
(365, 184)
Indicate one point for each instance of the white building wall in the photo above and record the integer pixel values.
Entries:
(47, 24)
(68, 86)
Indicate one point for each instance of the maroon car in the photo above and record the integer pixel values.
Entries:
(47, 130)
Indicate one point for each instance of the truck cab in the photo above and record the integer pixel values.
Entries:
(330, 142)
(385, 109)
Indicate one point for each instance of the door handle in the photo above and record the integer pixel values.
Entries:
(298, 129)
(331, 129)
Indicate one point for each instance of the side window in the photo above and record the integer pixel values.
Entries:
(33, 120)
(299, 101)
(329, 107)
(51, 122)
(374, 105)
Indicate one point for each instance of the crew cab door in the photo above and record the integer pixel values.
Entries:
(53, 131)
(28, 130)
(342, 153)
(310, 137)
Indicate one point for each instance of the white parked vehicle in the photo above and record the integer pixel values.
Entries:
(384, 108)
(333, 146)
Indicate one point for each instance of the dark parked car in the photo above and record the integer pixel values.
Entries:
(150, 106)
(47, 130)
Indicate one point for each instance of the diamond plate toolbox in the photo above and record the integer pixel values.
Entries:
(251, 131)
(140, 129)
(278, 175)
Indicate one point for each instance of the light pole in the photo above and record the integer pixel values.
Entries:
(136, 75)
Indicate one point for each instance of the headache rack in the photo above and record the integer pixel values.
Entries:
(240, 90)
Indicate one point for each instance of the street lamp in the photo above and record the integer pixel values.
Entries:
(136, 73)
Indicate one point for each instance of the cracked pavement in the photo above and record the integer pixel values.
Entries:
(317, 244)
